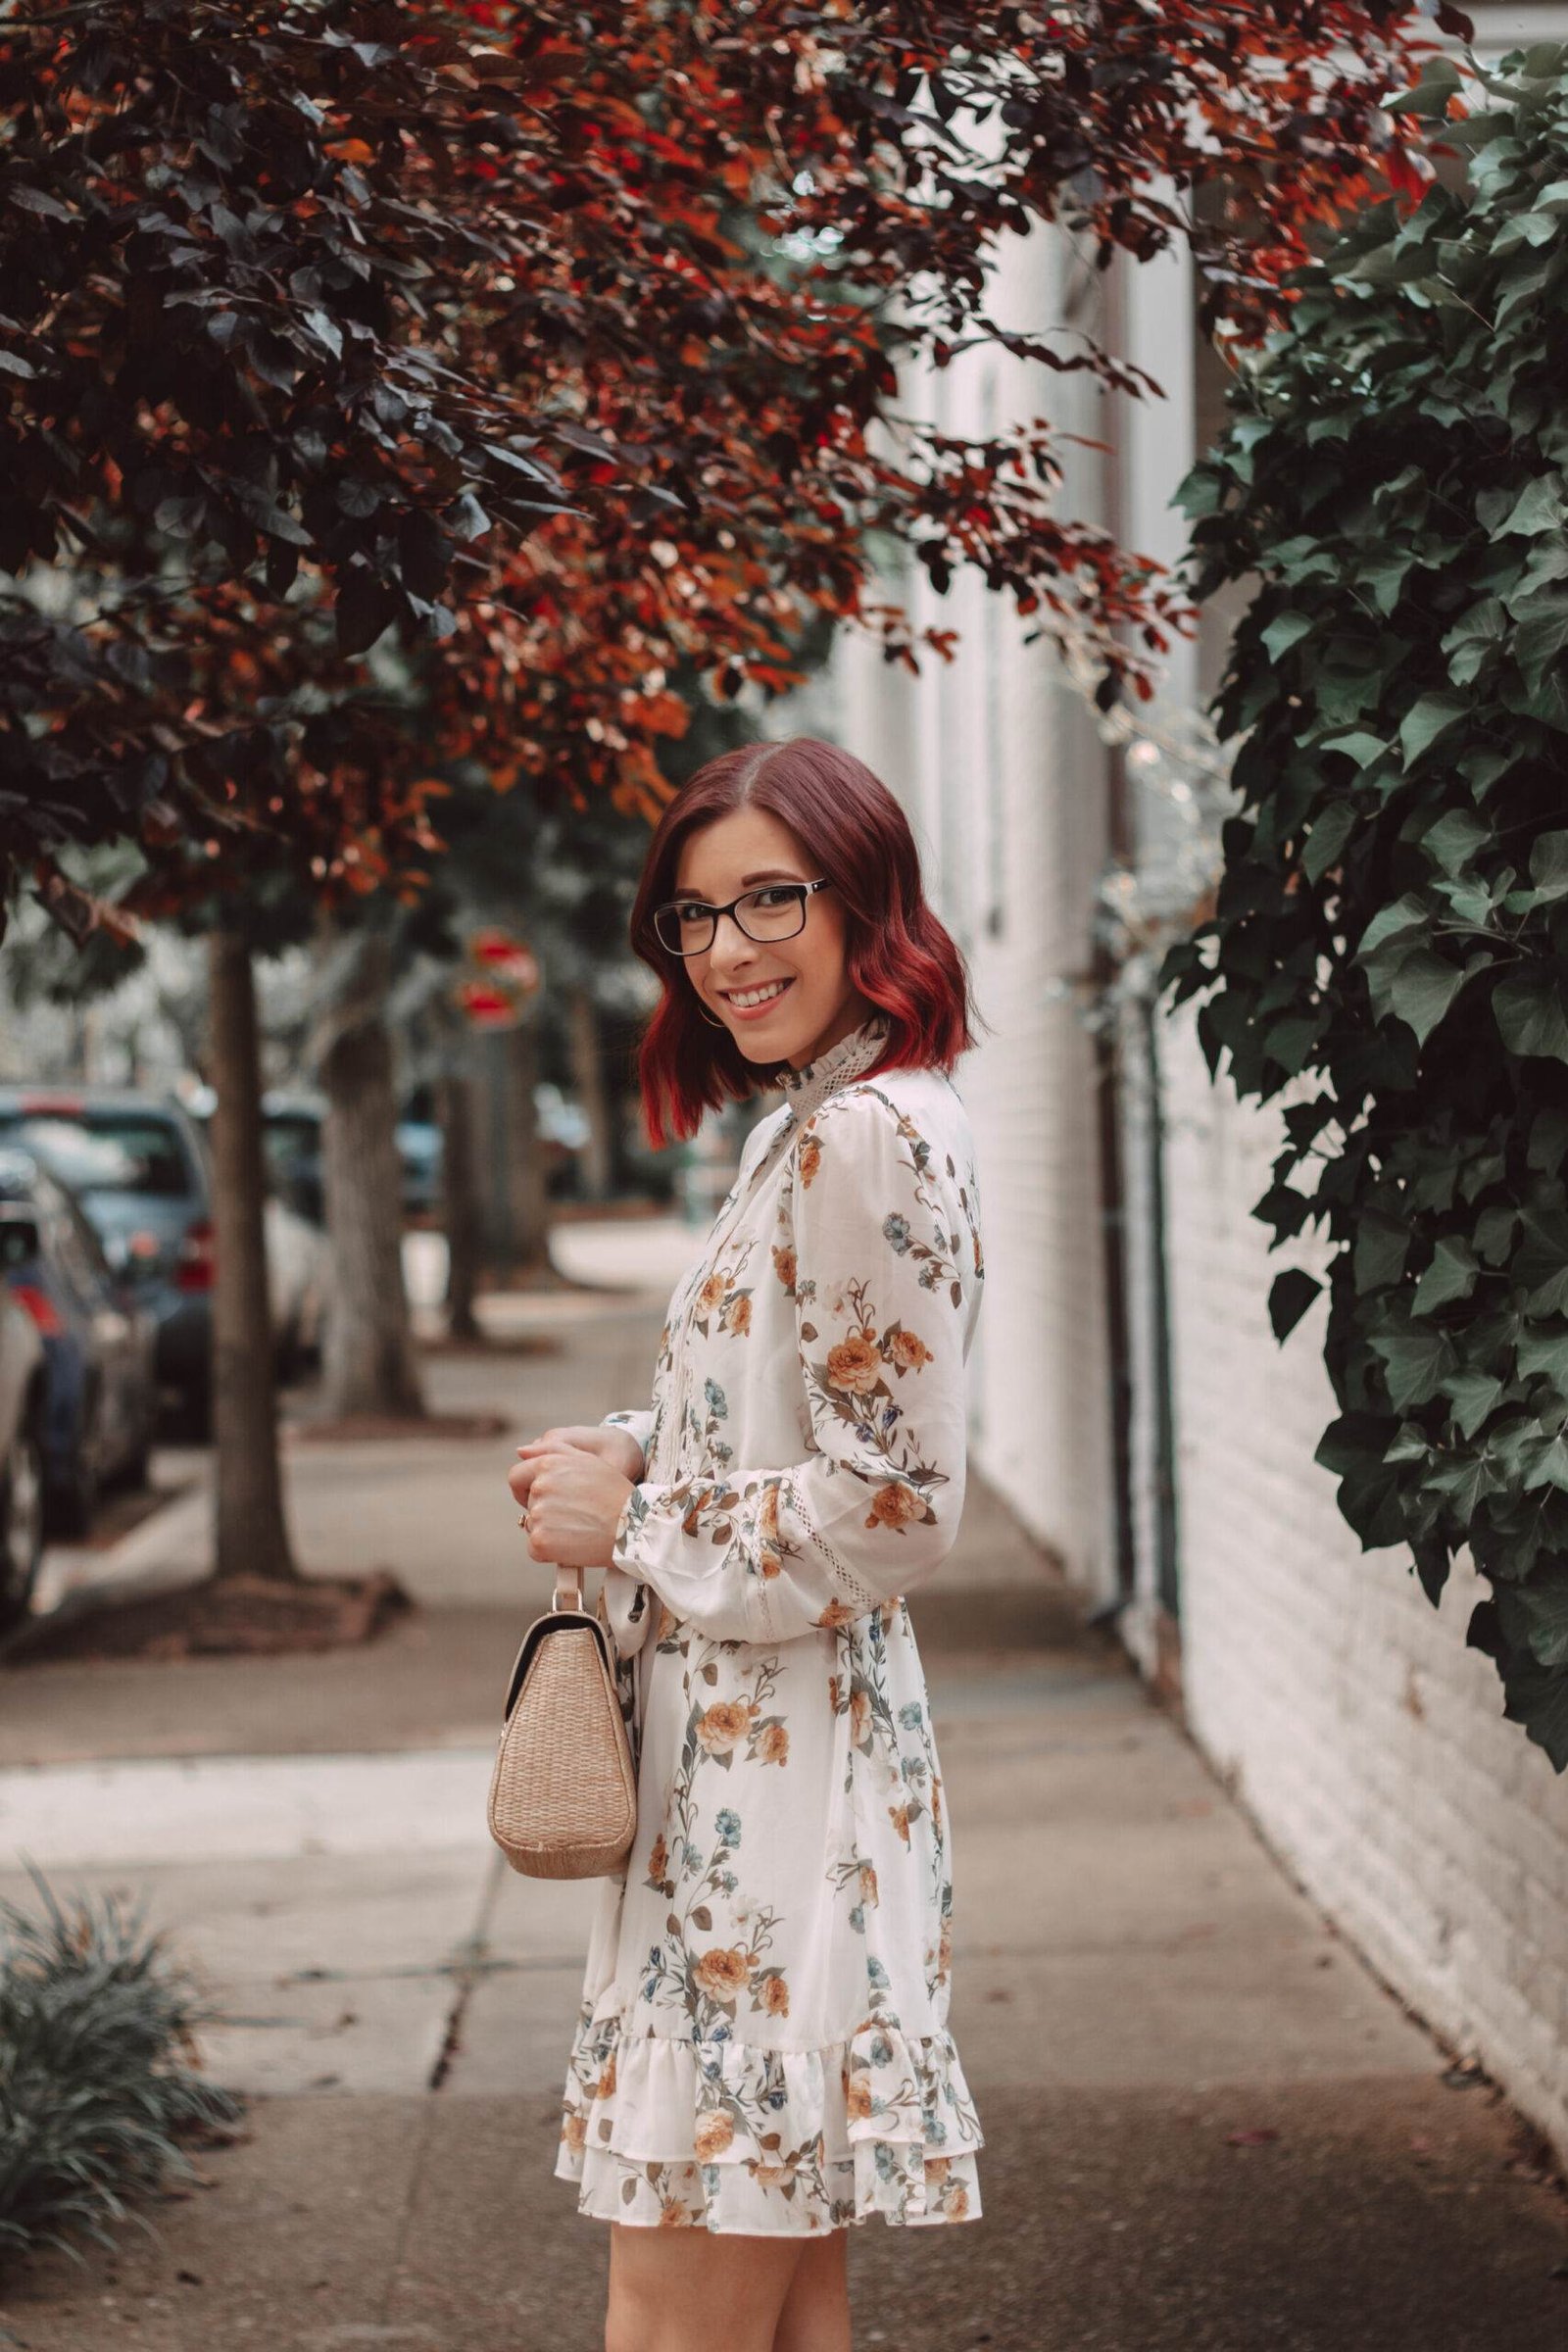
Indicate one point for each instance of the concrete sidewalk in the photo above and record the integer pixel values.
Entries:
(1207, 2126)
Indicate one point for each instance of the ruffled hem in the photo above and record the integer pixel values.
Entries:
(728, 2135)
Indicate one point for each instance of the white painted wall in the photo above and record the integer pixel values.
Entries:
(1346, 1712)
(998, 767)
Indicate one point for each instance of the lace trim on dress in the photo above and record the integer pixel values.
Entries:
(849, 1586)
(804, 1089)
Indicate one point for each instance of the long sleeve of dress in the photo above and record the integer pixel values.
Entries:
(869, 1247)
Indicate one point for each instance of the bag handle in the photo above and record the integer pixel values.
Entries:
(572, 1579)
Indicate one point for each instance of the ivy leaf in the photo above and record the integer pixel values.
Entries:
(1475, 639)
(1548, 1137)
(1475, 1394)
(1450, 1275)
(1382, 1245)
(1289, 1296)
(1531, 1014)
(1456, 838)
(1539, 508)
(1358, 745)
(1415, 1363)
(1423, 987)
(1328, 836)
(1368, 1494)
(1430, 717)
(1541, 1350)
(1548, 864)
(1541, 1263)
(1287, 631)
(1545, 1461)
(1430, 96)
(1535, 1616)
(1537, 1697)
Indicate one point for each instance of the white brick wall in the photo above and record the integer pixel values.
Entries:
(1366, 1740)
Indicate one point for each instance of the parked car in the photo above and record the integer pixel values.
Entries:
(291, 1137)
(99, 1343)
(139, 1166)
(21, 1405)
(292, 1121)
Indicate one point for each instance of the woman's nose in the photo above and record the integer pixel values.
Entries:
(731, 951)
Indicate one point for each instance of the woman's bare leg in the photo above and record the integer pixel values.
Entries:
(690, 2289)
(816, 2317)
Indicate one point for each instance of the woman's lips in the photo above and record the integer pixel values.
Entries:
(755, 1013)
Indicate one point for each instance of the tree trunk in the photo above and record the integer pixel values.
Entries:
(588, 1076)
(528, 1199)
(250, 1535)
(459, 1201)
(368, 1363)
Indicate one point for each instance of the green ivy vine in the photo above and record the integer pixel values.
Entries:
(1390, 937)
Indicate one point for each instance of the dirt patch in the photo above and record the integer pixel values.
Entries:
(121, 1512)
(359, 1427)
(255, 1616)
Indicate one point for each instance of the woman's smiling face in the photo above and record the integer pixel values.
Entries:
(782, 999)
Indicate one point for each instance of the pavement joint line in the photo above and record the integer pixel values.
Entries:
(466, 1975)
(488, 1964)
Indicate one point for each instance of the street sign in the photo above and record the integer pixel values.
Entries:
(509, 975)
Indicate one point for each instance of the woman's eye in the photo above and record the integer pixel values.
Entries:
(690, 910)
(771, 898)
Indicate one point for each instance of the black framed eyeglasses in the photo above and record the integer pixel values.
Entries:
(775, 911)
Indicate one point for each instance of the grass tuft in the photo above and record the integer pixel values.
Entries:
(98, 2069)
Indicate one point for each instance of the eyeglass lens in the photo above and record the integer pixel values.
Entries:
(776, 911)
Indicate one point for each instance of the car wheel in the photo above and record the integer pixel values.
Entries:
(138, 1467)
(73, 1504)
(21, 1524)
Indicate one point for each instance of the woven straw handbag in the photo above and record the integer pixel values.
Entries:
(564, 1786)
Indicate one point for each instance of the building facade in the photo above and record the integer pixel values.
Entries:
(1129, 1401)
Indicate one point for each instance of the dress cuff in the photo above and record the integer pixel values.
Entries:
(629, 1604)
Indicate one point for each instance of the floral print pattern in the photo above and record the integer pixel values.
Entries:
(763, 2043)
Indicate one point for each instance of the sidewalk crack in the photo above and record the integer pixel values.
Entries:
(469, 1964)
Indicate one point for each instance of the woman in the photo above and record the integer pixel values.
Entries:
(763, 2056)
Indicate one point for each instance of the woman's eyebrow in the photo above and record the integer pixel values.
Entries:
(771, 873)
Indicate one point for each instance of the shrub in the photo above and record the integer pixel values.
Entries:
(1390, 931)
(98, 2076)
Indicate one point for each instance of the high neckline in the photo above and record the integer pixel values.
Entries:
(804, 1089)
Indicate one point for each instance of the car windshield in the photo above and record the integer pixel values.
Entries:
(103, 1151)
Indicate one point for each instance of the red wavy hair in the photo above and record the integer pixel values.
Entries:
(899, 955)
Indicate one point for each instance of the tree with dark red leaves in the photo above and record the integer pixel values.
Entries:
(548, 344)
(384, 387)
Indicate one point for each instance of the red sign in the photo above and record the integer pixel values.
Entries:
(506, 960)
(510, 975)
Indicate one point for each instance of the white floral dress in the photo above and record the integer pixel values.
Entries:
(763, 2045)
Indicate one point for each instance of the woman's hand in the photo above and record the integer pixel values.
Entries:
(617, 1447)
(574, 1500)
